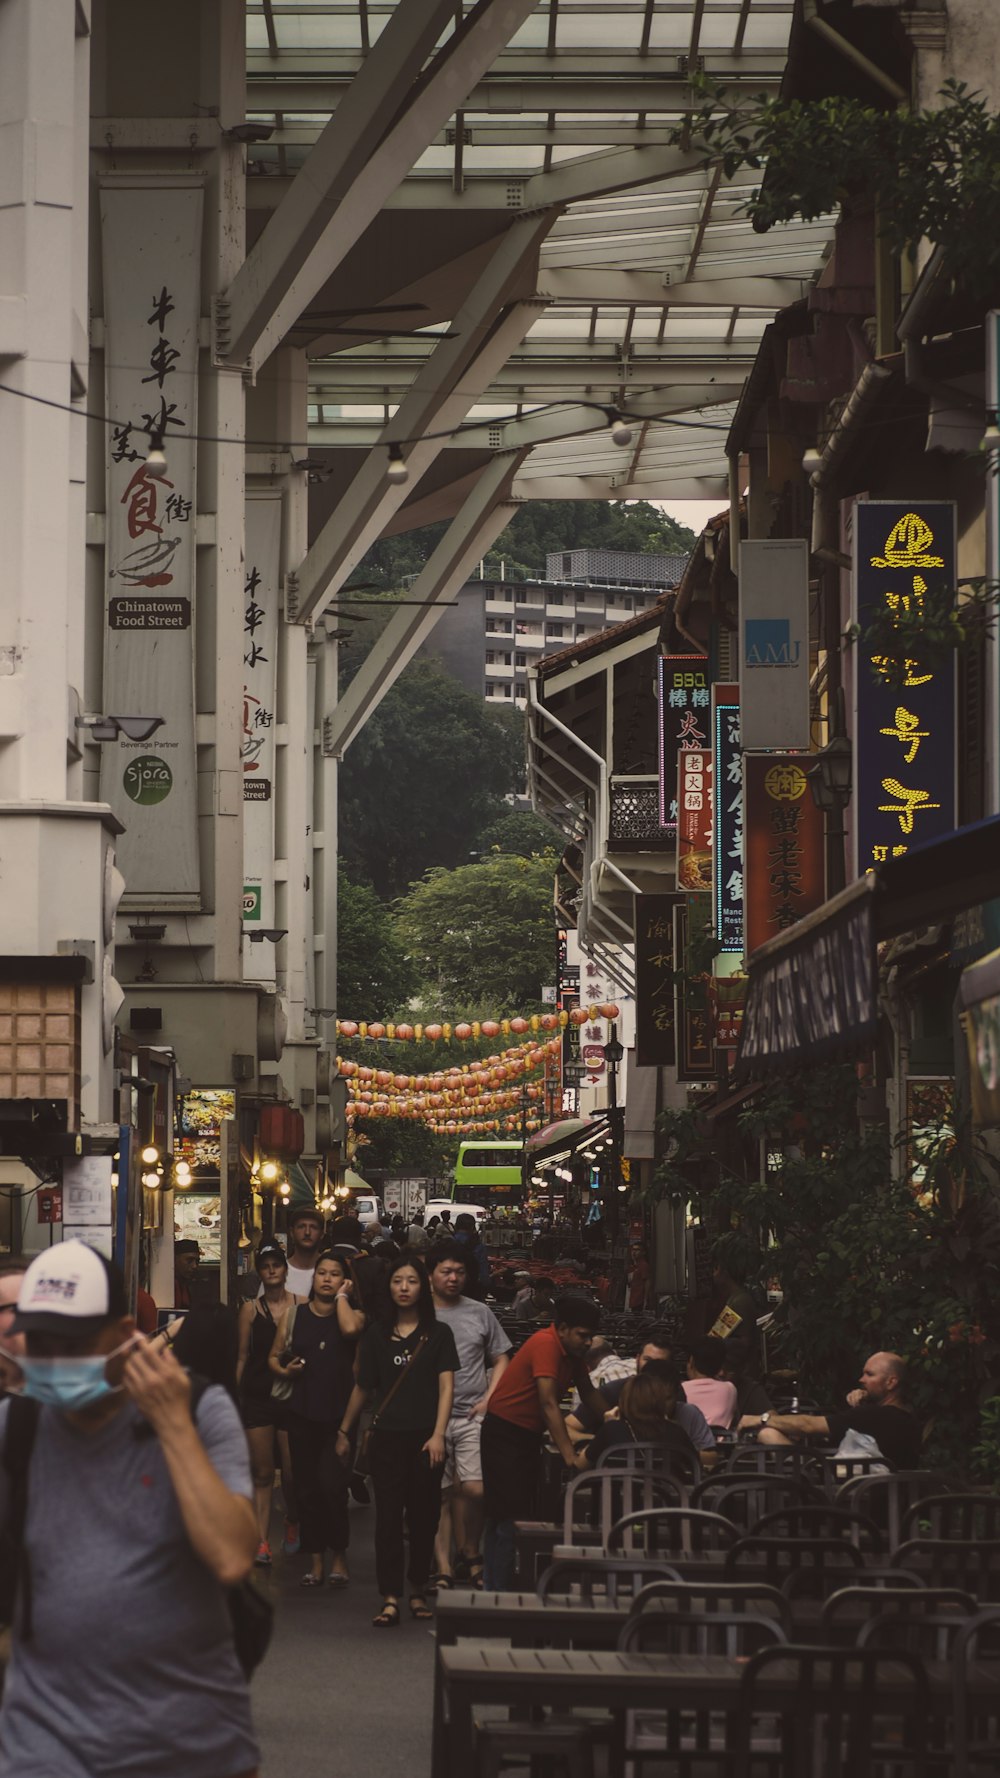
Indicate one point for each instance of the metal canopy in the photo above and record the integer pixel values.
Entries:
(647, 290)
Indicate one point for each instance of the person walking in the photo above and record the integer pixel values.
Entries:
(131, 1516)
(187, 1259)
(305, 1227)
(523, 1407)
(407, 1361)
(483, 1354)
(313, 1349)
(264, 1417)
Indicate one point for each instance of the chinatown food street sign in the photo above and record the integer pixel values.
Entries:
(904, 555)
(727, 863)
(685, 708)
(694, 819)
(695, 1045)
(655, 968)
(783, 877)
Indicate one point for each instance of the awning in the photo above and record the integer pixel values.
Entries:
(563, 1139)
(813, 990)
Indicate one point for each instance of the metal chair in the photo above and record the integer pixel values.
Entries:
(953, 1515)
(688, 1738)
(886, 1498)
(673, 1460)
(672, 1530)
(823, 1521)
(598, 1500)
(971, 1564)
(745, 1499)
(976, 1742)
(831, 1713)
(601, 1578)
(707, 1596)
(802, 1567)
(925, 1620)
(783, 1460)
(556, 1741)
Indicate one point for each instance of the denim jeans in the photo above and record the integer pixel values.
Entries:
(498, 1556)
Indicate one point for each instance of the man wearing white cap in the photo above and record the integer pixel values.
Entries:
(130, 1515)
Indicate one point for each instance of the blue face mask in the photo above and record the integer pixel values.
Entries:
(69, 1383)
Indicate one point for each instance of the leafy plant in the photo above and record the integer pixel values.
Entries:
(931, 174)
(926, 633)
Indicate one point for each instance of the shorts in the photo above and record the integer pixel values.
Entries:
(263, 1410)
(462, 1438)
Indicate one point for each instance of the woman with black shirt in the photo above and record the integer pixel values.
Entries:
(314, 1347)
(409, 1355)
(264, 1419)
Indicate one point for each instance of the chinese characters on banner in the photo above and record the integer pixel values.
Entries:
(655, 1041)
(904, 553)
(694, 819)
(784, 876)
(260, 646)
(727, 862)
(151, 253)
(685, 707)
(695, 1047)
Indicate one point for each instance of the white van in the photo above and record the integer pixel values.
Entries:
(436, 1205)
(366, 1207)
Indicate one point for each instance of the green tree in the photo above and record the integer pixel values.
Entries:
(373, 970)
(427, 773)
(398, 1145)
(517, 830)
(483, 934)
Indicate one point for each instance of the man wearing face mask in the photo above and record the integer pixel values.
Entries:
(138, 1516)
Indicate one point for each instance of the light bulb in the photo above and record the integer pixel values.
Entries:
(156, 457)
(621, 432)
(397, 471)
(151, 1181)
(150, 1155)
(269, 1171)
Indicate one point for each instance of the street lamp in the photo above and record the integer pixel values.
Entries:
(614, 1055)
(831, 782)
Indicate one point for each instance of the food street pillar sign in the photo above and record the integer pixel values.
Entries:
(151, 253)
(727, 863)
(655, 1038)
(685, 708)
(783, 878)
(260, 650)
(904, 707)
(694, 819)
(774, 643)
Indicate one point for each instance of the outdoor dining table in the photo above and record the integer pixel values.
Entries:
(575, 1679)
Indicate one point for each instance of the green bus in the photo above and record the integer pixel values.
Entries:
(488, 1173)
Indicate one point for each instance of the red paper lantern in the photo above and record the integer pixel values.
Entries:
(519, 1026)
(433, 1032)
(609, 1010)
(376, 1030)
(490, 1028)
(549, 1021)
(347, 1027)
(463, 1031)
(405, 1032)
(579, 1015)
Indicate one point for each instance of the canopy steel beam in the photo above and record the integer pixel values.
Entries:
(682, 486)
(620, 169)
(650, 289)
(358, 161)
(447, 385)
(607, 66)
(483, 516)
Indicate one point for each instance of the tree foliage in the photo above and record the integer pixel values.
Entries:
(483, 935)
(374, 974)
(430, 769)
(865, 1259)
(520, 831)
(931, 174)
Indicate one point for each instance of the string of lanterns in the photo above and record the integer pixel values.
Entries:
(494, 1070)
(477, 1028)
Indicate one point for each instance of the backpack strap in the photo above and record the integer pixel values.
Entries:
(19, 1440)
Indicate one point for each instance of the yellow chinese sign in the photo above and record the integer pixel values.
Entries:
(905, 733)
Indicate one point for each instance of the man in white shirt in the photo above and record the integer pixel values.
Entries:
(305, 1228)
(484, 1354)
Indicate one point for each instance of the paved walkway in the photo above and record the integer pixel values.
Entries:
(335, 1698)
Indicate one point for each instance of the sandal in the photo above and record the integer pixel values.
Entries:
(311, 1580)
(419, 1610)
(475, 1574)
(337, 1578)
(388, 1617)
(440, 1583)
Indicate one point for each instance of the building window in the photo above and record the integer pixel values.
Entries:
(555, 598)
(520, 660)
(567, 567)
(554, 631)
(506, 691)
(490, 657)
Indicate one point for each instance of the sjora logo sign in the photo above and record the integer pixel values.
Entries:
(768, 643)
(147, 779)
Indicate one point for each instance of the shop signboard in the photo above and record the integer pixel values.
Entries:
(695, 1044)
(727, 782)
(774, 643)
(151, 230)
(257, 750)
(904, 558)
(655, 1034)
(685, 708)
(694, 819)
(784, 843)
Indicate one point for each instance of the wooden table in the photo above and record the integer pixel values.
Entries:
(573, 1679)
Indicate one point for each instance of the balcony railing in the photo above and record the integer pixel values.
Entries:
(634, 815)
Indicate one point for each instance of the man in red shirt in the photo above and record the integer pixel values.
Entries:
(523, 1407)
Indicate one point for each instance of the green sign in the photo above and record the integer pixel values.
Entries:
(251, 901)
(147, 779)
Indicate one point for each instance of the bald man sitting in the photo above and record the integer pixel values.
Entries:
(877, 1422)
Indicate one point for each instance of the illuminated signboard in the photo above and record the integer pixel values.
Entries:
(694, 819)
(685, 710)
(727, 862)
(904, 718)
(784, 844)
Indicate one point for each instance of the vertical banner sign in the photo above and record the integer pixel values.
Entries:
(783, 876)
(992, 331)
(685, 705)
(655, 1041)
(695, 1044)
(151, 254)
(774, 643)
(904, 709)
(694, 819)
(260, 648)
(727, 862)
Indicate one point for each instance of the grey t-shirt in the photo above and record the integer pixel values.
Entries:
(480, 1341)
(131, 1670)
